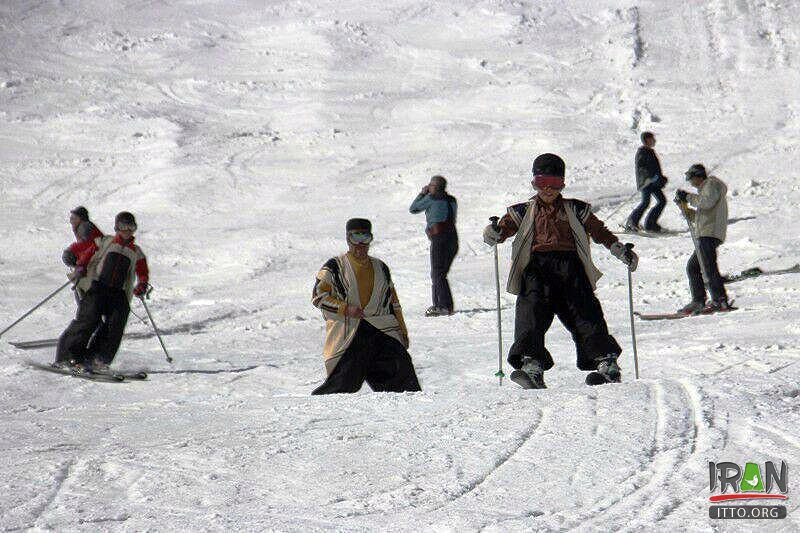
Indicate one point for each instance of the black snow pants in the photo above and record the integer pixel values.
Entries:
(708, 250)
(101, 308)
(555, 284)
(375, 357)
(651, 222)
(444, 247)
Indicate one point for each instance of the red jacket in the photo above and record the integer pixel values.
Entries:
(85, 234)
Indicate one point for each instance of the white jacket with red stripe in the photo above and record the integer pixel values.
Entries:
(114, 263)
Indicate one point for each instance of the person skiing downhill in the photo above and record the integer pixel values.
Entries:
(366, 336)
(709, 218)
(85, 232)
(552, 274)
(650, 182)
(440, 214)
(112, 264)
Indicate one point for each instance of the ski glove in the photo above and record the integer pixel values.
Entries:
(141, 289)
(626, 255)
(69, 258)
(79, 272)
(492, 235)
(680, 195)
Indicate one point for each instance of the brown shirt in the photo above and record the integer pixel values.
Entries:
(552, 229)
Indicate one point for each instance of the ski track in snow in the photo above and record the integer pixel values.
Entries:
(244, 135)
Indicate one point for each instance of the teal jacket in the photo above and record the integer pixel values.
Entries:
(439, 208)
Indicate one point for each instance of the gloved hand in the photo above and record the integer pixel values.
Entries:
(624, 253)
(79, 272)
(492, 235)
(662, 182)
(69, 258)
(141, 289)
(680, 195)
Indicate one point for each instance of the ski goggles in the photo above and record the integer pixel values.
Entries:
(359, 237)
(548, 182)
(125, 227)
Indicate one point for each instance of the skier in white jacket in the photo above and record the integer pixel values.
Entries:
(710, 220)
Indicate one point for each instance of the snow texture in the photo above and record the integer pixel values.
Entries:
(243, 134)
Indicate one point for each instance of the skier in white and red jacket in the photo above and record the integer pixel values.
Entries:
(113, 264)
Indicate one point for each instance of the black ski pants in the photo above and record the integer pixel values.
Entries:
(652, 217)
(708, 250)
(101, 303)
(444, 247)
(376, 358)
(555, 284)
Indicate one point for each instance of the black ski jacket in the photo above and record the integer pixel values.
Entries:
(647, 166)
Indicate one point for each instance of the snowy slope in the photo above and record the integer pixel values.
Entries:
(243, 135)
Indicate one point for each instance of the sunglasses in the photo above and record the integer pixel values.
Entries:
(359, 237)
(125, 227)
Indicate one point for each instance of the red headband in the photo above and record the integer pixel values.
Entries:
(541, 181)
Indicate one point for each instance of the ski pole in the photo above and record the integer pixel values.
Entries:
(620, 206)
(630, 312)
(685, 210)
(37, 306)
(142, 320)
(499, 372)
(155, 328)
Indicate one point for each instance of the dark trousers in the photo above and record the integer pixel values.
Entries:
(652, 217)
(376, 358)
(104, 310)
(555, 284)
(444, 248)
(708, 250)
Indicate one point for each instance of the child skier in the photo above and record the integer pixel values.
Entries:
(366, 336)
(552, 274)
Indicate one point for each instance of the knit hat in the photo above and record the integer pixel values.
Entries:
(548, 171)
(646, 135)
(355, 224)
(124, 218)
(81, 212)
(696, 171)
(548, 165)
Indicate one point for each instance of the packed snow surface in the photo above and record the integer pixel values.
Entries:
(243, 134)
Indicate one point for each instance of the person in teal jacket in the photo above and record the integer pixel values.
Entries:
(440, 213)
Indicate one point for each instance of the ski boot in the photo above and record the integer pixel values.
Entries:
(530, 376)
(100, 367)
(438, 311)
(692, 308)
(720, 306)
(607, 372)
(632, 226)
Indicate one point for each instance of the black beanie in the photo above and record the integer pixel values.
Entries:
(81, 212)
(358, 224)
(124, 218)
(696, 171)
(646, 135)
(548, 165)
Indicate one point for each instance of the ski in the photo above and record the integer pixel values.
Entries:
(49, 343)
(32, 345)
(756, 272)
(91, 376)
(675, 316)
(644, 233)
(138, 376)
